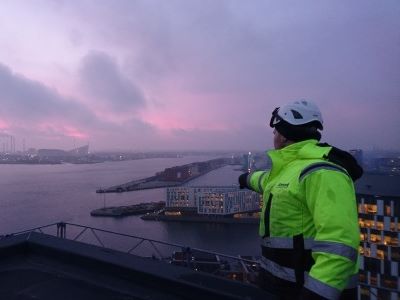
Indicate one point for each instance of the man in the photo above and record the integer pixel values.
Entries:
(309, 222)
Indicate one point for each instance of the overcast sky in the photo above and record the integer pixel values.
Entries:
(196, 74)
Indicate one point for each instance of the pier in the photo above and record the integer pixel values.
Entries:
(170, 177)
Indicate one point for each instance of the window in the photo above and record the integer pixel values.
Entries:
(369, 208)
(363, 277)
(379, 225)
(388, 211)
(389, 281)
(364, 293)
(396, 253)
(372, 264)
(382, 294)
(363, 236)
(374, 238)
(391, 241)
(380, 254)
(373, 279)
(393, 226)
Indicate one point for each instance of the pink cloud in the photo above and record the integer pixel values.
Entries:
(58, 130)
(4, 125)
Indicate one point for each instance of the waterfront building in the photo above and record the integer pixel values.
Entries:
(213, 200)
(180, 197)
(378, 199)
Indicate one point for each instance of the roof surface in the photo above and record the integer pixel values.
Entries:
(40, 266)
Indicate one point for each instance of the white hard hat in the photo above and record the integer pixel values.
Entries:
(299, 112)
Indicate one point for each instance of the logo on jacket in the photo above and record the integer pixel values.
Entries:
(282, 185)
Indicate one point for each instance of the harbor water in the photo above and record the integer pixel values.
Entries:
(35, 195)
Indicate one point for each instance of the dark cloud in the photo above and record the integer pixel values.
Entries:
(265, 54)
(35, 111)
(104, 82)
(225, 46)
(31, 101)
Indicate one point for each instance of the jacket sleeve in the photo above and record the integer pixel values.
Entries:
(330, 198)
(256, 181)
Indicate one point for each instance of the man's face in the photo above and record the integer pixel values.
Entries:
(279, 140)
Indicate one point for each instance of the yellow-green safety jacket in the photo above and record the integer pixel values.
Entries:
(309, 222)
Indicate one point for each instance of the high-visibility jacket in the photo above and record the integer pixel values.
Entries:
(309, 222)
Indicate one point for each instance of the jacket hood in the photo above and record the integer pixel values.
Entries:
(311, 149)
(343, 159)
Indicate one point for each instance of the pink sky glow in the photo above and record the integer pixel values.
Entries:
(196, 74)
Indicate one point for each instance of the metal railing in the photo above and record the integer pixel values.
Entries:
(137, 245)
(99, 238)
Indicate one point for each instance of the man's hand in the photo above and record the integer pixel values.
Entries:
(243, 181)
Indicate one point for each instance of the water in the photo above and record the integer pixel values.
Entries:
(35, 195)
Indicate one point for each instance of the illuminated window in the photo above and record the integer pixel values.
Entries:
(366, 252)
(391, 241)
(375, 238)
(368, 208)
(369, 223)
(388, 211)
(379, 225)
(362, 236)
(393, 226)
(380, 254)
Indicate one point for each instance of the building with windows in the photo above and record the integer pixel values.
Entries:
(180, 197)
(379, 211)
(213, 200)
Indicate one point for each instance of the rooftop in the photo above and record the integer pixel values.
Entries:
(40, 266)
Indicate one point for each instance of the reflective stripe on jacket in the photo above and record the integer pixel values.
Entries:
(309, 220)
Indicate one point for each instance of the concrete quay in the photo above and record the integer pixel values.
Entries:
(121, 211)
